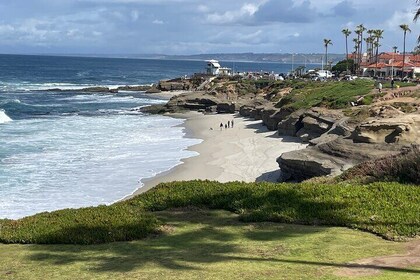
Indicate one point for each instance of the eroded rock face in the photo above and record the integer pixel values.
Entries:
(310, 162)
(330, 157)
(272, 116)
(174, 85)
(309, 124)
(245, 110)
(225, 107)
(403, 130)
(267, 118)
(292, 124)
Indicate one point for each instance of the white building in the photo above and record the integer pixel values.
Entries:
(213, 67)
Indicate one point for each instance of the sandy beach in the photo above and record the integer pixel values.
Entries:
(247, 152)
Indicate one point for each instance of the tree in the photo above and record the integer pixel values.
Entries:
(377, 33)
(356, 53)
(417, 15)
(343, 66)
(326, 43)
(369, 40)
(347, 33)
(406, 29)
(359, 31)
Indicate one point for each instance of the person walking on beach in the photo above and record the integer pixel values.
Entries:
(228, 124)
(225, 126)
(231, 123)
(221, 126)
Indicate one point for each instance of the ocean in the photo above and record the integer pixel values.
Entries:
(65, 149)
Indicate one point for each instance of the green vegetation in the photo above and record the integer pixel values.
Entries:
(342, 65)
(334, 95)
(203, 244)
(390, 210)
(92, 225)
(404, 168)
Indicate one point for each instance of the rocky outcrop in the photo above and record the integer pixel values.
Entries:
(177, 84)
(403, 130)
(225, 108)
(246, 110)
(292, 124)
(135, 88)
(310, 162)
(272, 116)
(309, 124)
(330, 158)
(267, 117)
(95, 89)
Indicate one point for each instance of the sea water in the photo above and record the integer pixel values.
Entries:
(65, 149)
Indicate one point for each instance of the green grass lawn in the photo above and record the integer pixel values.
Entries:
(207, 244)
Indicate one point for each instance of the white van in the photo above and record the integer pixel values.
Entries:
(324, 74)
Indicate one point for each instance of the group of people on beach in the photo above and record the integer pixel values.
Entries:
(227, 125)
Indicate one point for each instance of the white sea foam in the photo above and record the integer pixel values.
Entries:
(26, 86)
(79, 161)
(4, 118)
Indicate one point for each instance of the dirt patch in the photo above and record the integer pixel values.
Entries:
(375, 265)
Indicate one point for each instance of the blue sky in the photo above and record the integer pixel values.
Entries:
(195, 26)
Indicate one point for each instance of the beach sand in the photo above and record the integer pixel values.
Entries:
(247, 152)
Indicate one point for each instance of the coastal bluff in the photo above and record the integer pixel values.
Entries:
(340, 134)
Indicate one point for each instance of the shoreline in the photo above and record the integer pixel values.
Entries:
(247, 152)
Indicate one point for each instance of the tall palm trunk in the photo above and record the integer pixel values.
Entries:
(347, 56)
(403, 63)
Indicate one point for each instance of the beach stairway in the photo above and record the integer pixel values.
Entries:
(205, 83)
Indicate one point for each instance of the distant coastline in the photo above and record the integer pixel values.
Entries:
(284, 58)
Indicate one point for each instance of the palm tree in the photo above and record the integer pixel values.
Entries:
(356, 52)
(417, 15)
(326, 43)
(405, 28)
(371, 40)
(347, 33)
(359, 31)
(377, 33)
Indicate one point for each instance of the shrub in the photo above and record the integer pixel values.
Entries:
(404, 168)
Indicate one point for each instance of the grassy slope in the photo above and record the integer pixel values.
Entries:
(206, 245)
(335, 95)
(391, 210)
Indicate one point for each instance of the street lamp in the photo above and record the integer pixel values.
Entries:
(293, 60)
(393, 59)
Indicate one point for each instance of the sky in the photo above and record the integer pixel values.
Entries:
(196, 26)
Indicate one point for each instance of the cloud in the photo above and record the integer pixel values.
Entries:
(235, 16)
(130, 26)
(398, 18)
(134, 15)
(344, 9)
(286, 11)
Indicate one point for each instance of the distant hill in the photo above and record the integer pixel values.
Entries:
(256, 57)
(312, 58)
